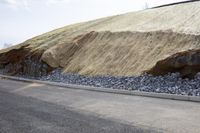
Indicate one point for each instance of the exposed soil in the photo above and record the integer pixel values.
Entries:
(117, 53)
(23, 61)
(107, 53)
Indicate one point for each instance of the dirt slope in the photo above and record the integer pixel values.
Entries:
(125, 44)
(117, 53)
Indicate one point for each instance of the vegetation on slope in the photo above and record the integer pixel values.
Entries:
(119, 45)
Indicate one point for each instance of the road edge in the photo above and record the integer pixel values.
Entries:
(107, 90)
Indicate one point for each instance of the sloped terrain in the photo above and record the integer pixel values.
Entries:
(122, 45)
(117, 53)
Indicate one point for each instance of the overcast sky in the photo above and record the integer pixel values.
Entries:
(23, 19)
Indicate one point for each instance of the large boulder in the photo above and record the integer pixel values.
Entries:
(187, 63)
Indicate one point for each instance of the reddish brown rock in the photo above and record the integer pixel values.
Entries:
(187, 63)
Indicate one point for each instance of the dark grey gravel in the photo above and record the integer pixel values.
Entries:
(170, 83)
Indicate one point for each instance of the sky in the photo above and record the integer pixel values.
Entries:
(23, 19)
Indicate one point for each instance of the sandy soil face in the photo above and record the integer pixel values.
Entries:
(117, 53)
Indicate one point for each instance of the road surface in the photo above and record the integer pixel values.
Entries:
(38, 108)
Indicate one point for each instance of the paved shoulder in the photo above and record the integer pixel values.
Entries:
(20, 114)
(120, 111)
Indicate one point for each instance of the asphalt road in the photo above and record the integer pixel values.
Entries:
(20, 114)
(39, 108)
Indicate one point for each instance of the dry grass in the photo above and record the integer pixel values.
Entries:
(121, 45)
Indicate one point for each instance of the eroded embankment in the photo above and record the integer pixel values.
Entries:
(23, 61)
(117, 53)
(101, 53)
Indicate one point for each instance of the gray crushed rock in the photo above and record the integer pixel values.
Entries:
(170, 83)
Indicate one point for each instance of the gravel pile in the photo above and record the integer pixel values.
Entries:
(170, 83)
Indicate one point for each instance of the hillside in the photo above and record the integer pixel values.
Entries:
(122, 45)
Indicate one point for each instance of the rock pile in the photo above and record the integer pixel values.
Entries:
(170, 83)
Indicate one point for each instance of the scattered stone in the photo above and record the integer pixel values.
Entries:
(170, 83)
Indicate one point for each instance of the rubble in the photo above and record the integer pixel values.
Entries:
(170, 83)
